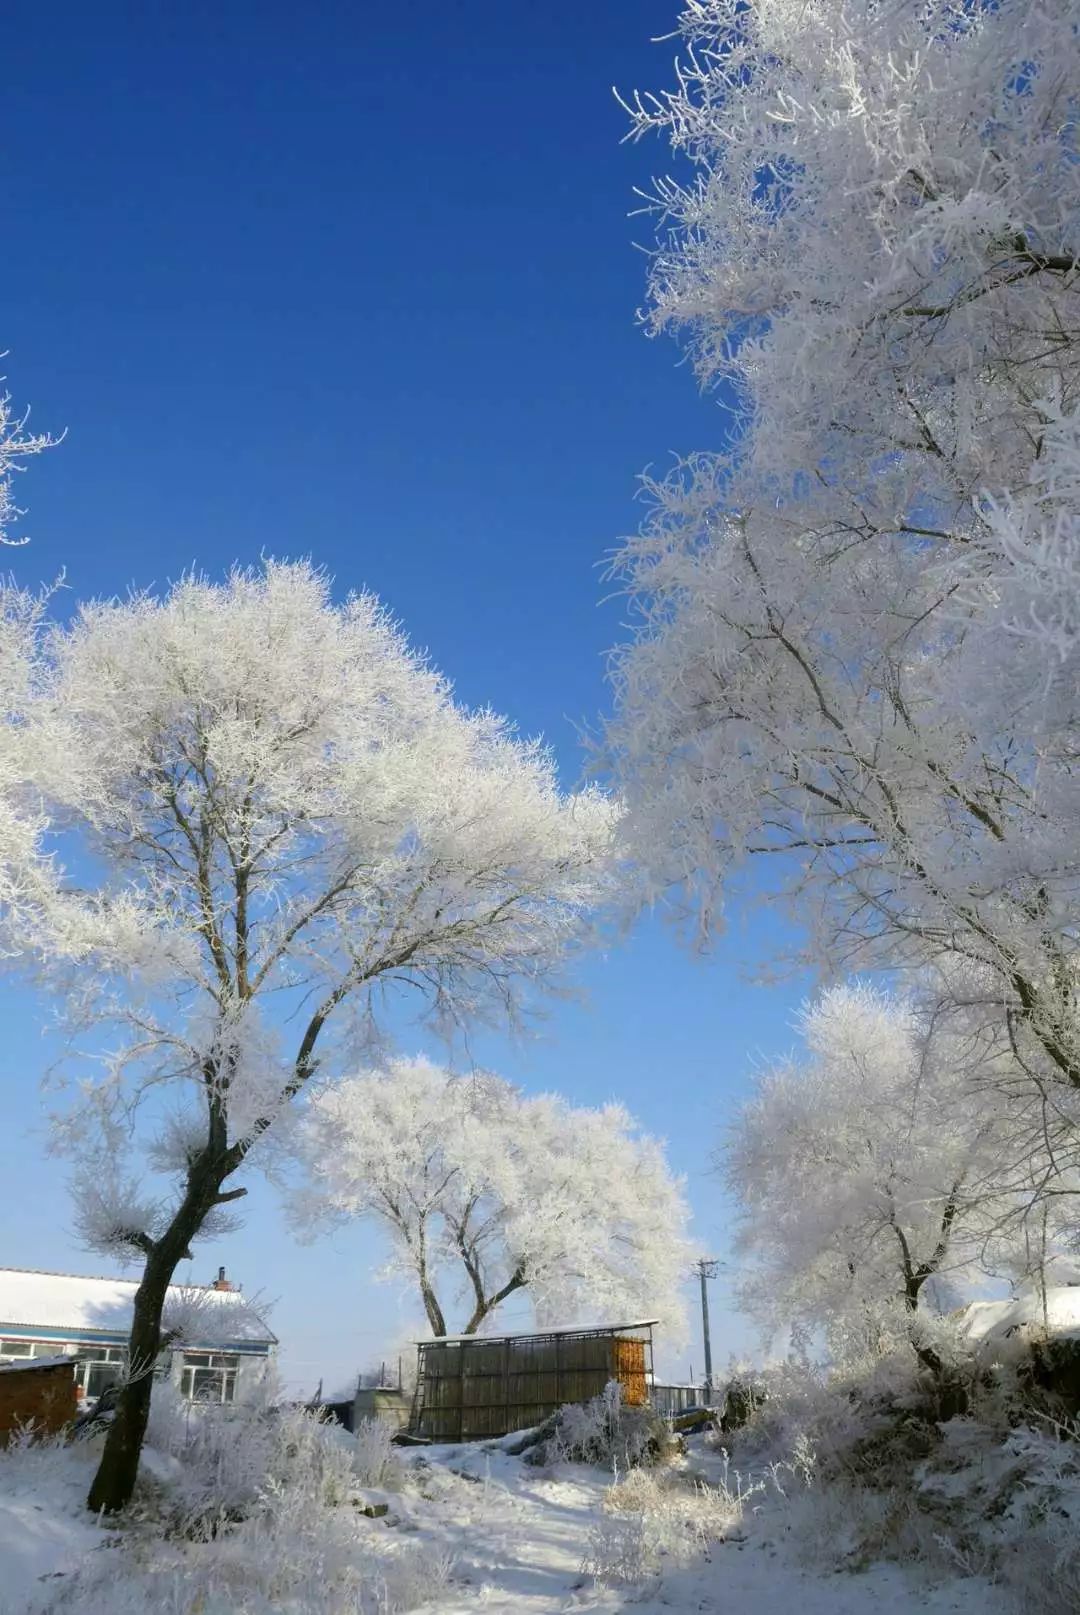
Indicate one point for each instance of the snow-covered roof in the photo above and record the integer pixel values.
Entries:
(21, 1364)
(541, 1334)
(34, 1300)
(995, 1320)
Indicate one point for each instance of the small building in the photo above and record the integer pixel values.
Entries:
(37, 1393)
(670, 1400)
(472, 1386)
(45, 1315)
(386, 1402)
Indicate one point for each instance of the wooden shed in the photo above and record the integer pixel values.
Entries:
(469, 1387)
(39, 1393)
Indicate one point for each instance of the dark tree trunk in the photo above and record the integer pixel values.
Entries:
(114, 1482)
(115, 1479)
(486, 1304)
(926, 1355)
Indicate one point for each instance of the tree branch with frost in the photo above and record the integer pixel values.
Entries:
(17, 445)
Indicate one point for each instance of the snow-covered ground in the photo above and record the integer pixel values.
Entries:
(517, 1538)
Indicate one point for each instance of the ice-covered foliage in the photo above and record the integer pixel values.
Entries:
(877, 1176)
(250, 1510)
(27, 874)
(856, 652)
(607, 1431)
(654, 1521)
(875, 1462)
(16, 446)
(230, 1458)
(486, 1192)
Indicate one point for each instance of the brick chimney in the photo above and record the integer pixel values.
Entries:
(221, 1282)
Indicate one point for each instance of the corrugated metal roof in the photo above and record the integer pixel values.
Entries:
(36, 1300)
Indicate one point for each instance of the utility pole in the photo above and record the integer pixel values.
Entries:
(706, 1269)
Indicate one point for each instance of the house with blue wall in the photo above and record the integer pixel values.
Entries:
(49, 1314)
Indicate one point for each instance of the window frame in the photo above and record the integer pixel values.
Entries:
(209, 1376)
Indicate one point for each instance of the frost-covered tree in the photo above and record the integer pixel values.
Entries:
(290, 818)
(858, 647)
(486, 1192)
(26, 871)
(874, 1170)
(25, 874)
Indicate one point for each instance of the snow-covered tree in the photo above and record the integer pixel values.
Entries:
(26, 871)
(486, 1192)
(291, 818)
(874, 1170)
(858, 641)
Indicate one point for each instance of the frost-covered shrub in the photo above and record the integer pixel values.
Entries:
(376, 1461)
(872, 1467)
(655, 1518)
(249, 1509)
(231, 1457)
(860, 1419)
(607, 1432)
(296, 1558)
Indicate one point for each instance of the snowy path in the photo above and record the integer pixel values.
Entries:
(518, 1539)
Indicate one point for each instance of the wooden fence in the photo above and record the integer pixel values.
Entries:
(469, 1388)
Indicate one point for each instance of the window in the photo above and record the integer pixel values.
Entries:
(16, 1348)
(98, 1368)
(209, 1376)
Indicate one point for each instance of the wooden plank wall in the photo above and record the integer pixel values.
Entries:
(478, 1388)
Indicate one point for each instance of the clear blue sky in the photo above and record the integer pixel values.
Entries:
(360, 283)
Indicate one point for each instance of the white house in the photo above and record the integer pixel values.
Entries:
(47, 1314)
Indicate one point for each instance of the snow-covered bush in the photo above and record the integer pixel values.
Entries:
(608, 1432)
(297, 1558)
(376, 1461)
(231, 1458)
(655, 1518)
(248, 1509)
(873, 1466)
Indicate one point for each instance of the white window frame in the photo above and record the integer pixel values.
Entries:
(224, 1366)
(90, 1355)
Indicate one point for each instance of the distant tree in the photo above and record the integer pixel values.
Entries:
(489, 1193)
(287, 816)
(871, 1172)
(860, 637)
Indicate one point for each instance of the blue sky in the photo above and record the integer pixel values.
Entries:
(360, 283)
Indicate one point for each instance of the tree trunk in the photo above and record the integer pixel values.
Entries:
(114, 1482)
(434, 1311)
(927, 1356)
(115, 1479)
